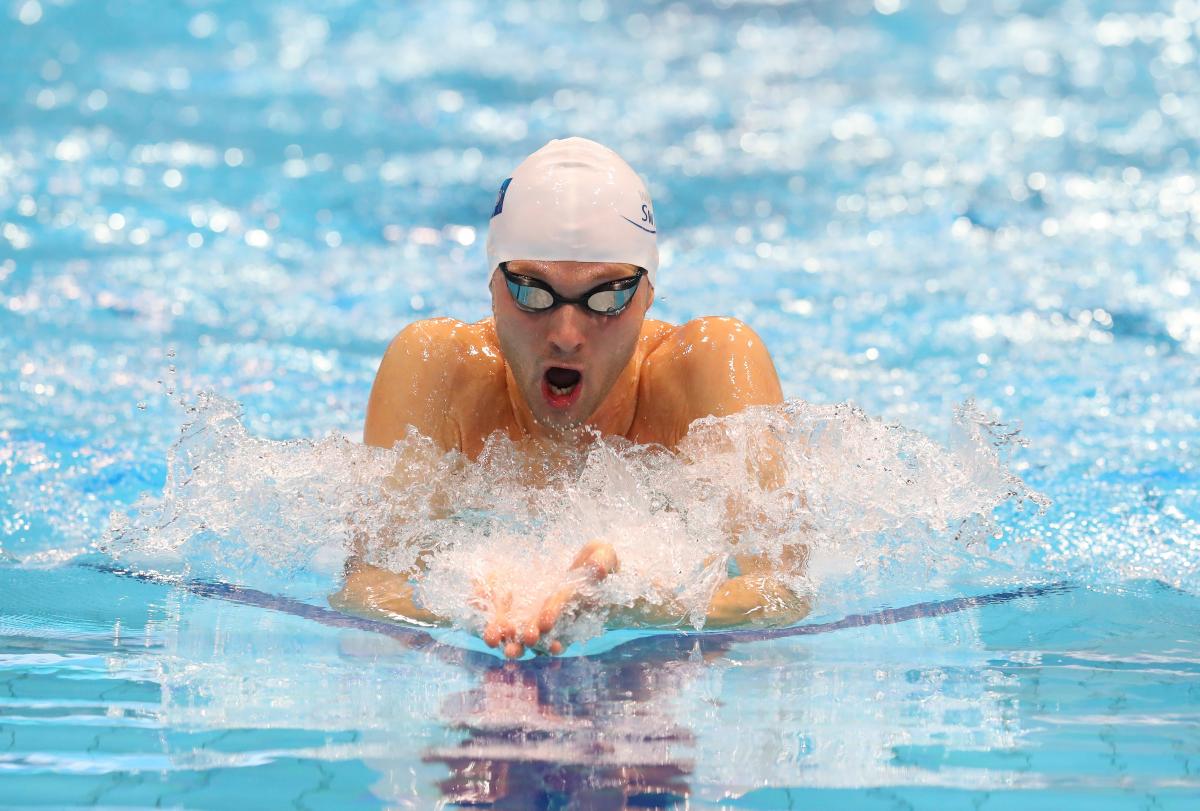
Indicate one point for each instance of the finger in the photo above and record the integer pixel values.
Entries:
(532, 634)
(499, 627)
(552, 609)
(555, 647)
(598, 559)
(596, 570)
(508, 631)
(514, 650)
(603, 561)
(584, 554)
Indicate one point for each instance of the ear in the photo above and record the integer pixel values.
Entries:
(650, 300)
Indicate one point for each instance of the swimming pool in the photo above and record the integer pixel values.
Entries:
(915, 204)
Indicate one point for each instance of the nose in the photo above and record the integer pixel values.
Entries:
(566, 330)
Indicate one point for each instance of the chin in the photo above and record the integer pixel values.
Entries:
(559, 420)
(570, 419)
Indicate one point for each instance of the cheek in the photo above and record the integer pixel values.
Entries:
(620, 341)
(505, 336)
(517, 340)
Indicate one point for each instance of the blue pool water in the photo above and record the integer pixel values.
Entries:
(915, 204)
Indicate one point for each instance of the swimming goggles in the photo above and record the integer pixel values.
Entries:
(535, 296)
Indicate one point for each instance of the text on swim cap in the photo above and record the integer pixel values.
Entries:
(647, 218)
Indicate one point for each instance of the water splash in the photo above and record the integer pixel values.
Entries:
(240, 507)
(877, 506)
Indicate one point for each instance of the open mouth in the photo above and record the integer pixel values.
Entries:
(561, 386)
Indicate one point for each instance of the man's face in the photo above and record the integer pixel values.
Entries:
(566, 360)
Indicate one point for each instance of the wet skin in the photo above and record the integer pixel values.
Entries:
(638, 378)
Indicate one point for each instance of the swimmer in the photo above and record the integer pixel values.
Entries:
(568, 351)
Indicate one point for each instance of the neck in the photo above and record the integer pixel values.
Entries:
(616, 412)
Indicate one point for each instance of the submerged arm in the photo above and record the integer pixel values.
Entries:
(375, 592)
(409, 392)
(718, 367)
(735, 373)
(758, 595)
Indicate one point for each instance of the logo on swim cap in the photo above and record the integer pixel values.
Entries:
(500, 197)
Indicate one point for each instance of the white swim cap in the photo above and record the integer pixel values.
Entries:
(574, 200)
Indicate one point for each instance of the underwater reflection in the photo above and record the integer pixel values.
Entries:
(660, 720)
(594, 733)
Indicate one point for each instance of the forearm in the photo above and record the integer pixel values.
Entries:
(375, 592)
(742, 600)
(754, 599)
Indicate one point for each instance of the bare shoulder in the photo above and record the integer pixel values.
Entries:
(445, 338)
(423, 375)
(711, 366)
(703, 342)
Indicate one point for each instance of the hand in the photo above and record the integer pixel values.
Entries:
(495, 599)
(595, 561)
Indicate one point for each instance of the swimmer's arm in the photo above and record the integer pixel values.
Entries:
(380, 594)
(729, 369)
(756, 596)
(410, 390)
(708, 367)
(413, 386)
(725, 367)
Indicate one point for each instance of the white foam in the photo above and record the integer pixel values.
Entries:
(878, 506)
